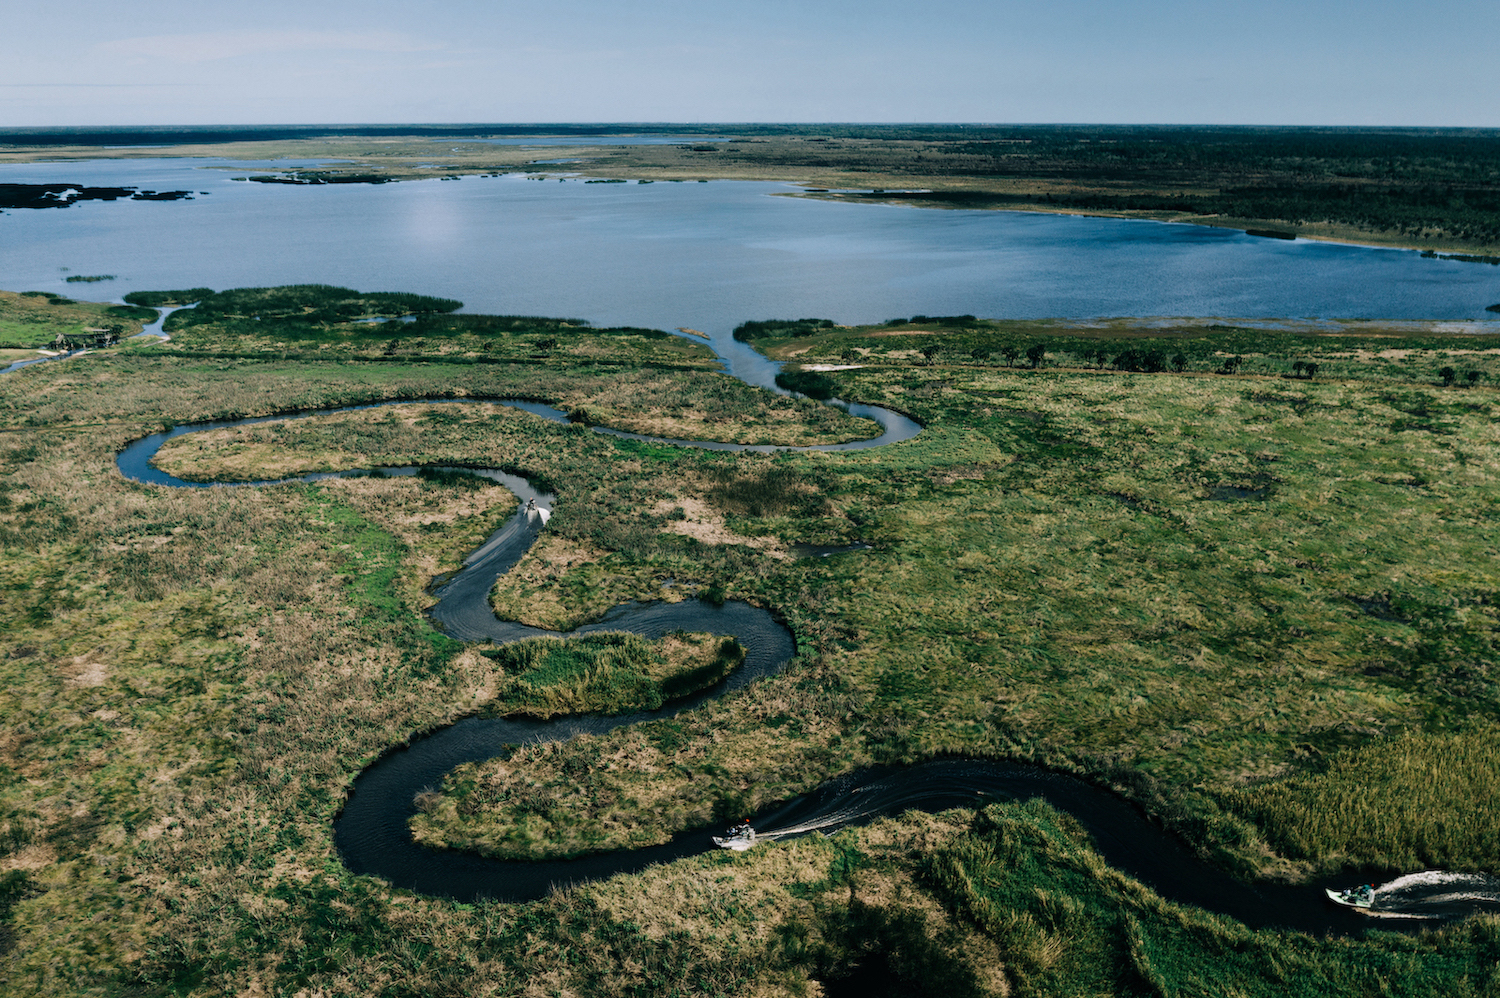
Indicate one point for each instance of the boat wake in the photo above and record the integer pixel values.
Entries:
(1436, 896)
(372, 834)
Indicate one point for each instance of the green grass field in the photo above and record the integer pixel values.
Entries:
(1262, 607)
(34, 319)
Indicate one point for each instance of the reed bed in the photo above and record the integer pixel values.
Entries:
(1420, 800)
(609, 673)
(1068, 924)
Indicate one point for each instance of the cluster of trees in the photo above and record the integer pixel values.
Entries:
(107, 337)
(1449, 376)
(1472, 214)
(1140, 360)
(168, 299)
(1417, 182)
(753, 330)
(935, 320)
(481, 324)
(813, 384)
(311, 303)
(1035, 354)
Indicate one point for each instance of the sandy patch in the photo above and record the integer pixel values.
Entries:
(86, 670)
(30, 858)
(707, 526)
(692, 332)
(832, 367)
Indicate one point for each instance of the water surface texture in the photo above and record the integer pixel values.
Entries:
(704, 256)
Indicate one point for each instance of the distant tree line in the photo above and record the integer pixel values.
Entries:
(762, 329)
(309, 303)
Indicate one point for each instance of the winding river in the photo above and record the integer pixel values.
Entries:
(372, 836)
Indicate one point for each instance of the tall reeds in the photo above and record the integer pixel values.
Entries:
(1405, 803)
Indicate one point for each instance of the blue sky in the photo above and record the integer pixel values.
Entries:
(1158, 61)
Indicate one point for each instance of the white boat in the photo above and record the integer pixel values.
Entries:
(1356, 897)
(739, 838)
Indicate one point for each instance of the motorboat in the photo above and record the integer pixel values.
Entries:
(739, 838)
(1361, 897)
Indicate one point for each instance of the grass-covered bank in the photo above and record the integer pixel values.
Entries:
(1190, 582)
(1446, 354)
(35, 319)
(191, 678)
(609, 673)
(1234, 597)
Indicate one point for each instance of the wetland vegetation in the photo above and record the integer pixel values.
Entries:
(1432, 189)
(1237, 598)
(35, 319)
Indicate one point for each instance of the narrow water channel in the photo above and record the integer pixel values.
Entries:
(372, 836)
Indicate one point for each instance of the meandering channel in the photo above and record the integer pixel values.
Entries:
(372, 836)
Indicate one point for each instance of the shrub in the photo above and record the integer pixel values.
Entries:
(813, 384)
(754, 330)
(159, 299)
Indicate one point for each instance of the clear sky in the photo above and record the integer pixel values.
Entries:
(1341, 62)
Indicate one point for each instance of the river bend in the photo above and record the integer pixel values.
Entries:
(372, 835)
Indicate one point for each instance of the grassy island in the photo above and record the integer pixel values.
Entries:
(1257, 602)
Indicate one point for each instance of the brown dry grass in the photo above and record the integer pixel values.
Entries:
(706, 525)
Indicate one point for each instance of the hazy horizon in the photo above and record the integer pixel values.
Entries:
(1169, 62)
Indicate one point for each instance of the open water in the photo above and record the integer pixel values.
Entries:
(704, 256)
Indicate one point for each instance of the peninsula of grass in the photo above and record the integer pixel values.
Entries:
(1292, 350)
(1235, 597)
(609, 673)
(35, 319)
(638, 380)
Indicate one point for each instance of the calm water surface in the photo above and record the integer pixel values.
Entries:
(706, 256)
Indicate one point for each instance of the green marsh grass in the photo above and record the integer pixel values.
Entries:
(35, 320)
(1063, 571)
(1068, 924)
(1414, 352)
(1199, 588)
(1417, 801)
(609, 673)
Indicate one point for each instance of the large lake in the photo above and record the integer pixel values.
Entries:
(706, 256)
